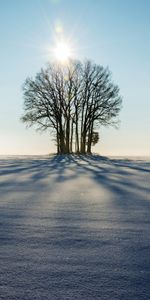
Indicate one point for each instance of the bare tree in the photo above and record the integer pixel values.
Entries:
(72, 101)
(100, 100)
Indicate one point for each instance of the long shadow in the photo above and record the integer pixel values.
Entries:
(116, 177)
(60, 248)
(33, 170)
(100, 168)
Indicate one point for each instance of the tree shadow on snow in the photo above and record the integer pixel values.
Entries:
(99, 247)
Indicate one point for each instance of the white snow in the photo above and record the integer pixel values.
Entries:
(74, 227)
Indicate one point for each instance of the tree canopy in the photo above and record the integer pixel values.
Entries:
(72, 101)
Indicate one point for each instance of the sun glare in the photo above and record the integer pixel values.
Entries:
(62, 51)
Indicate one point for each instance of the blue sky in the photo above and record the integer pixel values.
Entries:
(113, 33)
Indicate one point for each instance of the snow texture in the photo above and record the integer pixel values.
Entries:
(74, 227)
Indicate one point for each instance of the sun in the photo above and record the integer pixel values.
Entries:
(62, 51)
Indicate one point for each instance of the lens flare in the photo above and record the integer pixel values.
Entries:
(62, 51)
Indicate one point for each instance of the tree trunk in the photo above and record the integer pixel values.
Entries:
(82, 130)
(83, 142)
(89, 144)
(62, 138)
(77, 134)
(58, 146)
(71, 139)
(67, 135)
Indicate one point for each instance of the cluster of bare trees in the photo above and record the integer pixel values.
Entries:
(72, 100)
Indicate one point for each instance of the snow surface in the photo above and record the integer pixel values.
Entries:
(74, 227)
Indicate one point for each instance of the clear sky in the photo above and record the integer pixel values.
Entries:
(113, 33)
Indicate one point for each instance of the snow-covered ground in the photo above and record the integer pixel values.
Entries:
(74, 227)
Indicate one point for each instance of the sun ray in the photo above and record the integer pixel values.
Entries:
(62, 51)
